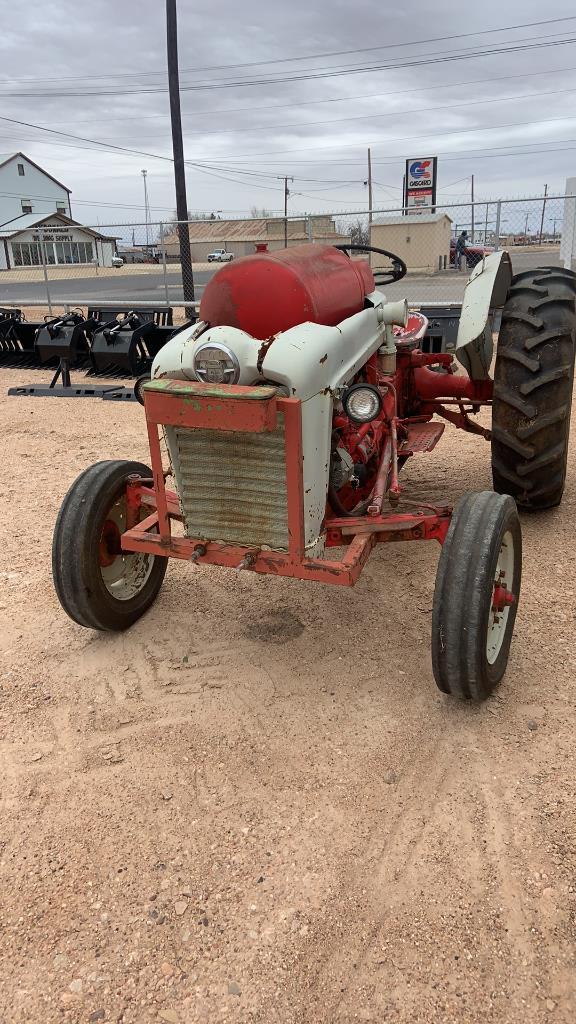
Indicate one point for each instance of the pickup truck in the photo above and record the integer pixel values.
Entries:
(220, 256)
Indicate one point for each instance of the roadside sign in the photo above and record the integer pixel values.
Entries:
(420, 183)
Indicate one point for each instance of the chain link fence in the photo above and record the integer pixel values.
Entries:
(54, 264)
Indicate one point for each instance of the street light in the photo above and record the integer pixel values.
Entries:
(146, 210)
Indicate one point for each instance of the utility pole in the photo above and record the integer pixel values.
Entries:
(472, 198)
(178, 152)
(146, 210)
(543, 212)
(526, 225)
(286, 194)
(369, 188)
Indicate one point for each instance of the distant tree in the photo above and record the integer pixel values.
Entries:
(260, 211)
(357, 230)
(169, 226)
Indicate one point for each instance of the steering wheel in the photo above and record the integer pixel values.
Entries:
(381, 277)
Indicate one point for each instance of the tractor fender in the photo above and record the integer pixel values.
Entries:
(485, 292)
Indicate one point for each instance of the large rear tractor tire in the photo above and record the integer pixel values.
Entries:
(476, 595)
(533, 387)
(99, 585)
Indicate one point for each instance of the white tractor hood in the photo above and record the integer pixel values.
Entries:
(311, 362)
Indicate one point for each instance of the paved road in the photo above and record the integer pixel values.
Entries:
(449, 287)
(125, 287)
(130, 288)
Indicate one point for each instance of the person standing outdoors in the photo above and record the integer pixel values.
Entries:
(460, 249)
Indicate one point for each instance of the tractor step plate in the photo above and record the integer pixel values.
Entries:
(422, 437)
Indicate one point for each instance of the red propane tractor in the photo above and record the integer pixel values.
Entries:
(289, 410)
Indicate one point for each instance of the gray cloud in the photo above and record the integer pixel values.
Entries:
(287, 128)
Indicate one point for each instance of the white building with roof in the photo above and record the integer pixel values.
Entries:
(31, 240)
(27, 188)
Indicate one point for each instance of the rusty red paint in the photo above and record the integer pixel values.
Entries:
(262, 351)
(133, 500)
(502, 598)
(109, 547)
(430, 385)
(159, 481)
(421, 437)
(462, 420)
(381, 484)
(393, 435)
(344, 573)
(291, 408)
(175, 409)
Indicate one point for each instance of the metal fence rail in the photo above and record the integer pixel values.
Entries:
(59, 265)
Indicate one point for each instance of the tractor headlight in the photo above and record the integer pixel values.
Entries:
(362, 402)
(216, 364)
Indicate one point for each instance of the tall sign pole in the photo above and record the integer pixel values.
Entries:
(286, 213)
(286, 194)
(146, 212)
(369, 187)
(543, 214)
(178, 151)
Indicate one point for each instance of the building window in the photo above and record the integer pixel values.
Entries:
(74, 252)
(60, 208)
(21, 170)
(26, 206)
(29, 254)
(26, 254)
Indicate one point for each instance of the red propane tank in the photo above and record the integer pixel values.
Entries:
(269, 292)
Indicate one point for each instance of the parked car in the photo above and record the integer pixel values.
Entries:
(474, 253)
(117, 261)
(220, 256)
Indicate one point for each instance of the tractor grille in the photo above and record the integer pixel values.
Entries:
(232, 484)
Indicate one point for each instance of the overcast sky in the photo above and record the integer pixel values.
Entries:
(508, 117)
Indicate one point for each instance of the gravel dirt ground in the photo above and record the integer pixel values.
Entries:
(255, 806)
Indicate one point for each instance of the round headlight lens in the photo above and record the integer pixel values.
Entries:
(362, 403)
(216, 364)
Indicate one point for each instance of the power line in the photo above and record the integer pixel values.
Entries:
(311, 75)
(445, 154)
(370, 117)
(334, 99)
(85, 202)
(313, 56)
(213, 169)
(520, 149)
(402, 138)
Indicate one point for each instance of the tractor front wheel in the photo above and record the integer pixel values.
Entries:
(533, 387)
(99, 585)
(476, 595)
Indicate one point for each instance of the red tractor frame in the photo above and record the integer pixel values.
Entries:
(114, 531)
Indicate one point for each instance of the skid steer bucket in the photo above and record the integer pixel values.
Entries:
(121, 344)
(17, 339)
(63, 338)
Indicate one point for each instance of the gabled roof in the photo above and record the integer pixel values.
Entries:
(255, 229)
(26, 221)
(5, 158)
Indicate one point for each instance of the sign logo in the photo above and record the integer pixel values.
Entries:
(419, 169)
(420, 183)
